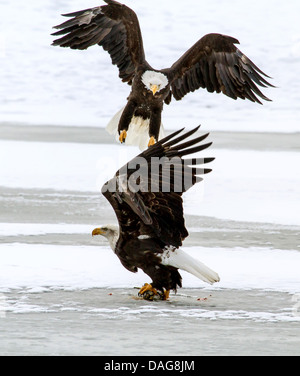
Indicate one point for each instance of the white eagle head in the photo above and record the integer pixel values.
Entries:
(110, 232)
(154, 81)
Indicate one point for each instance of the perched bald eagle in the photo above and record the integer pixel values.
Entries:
(214, 63)
(146, 195)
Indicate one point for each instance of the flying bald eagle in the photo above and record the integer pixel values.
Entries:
(214, 63)
(146, 195)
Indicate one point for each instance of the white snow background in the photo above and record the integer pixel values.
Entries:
(45, 85)
(42, 84)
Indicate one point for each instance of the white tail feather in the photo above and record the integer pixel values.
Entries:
(138, 131)
(181, 260)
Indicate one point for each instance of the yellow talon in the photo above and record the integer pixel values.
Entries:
(147, 287)
(123, 136)
(149, 292)
(151, 141)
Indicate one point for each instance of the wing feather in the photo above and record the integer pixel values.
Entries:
(156, 209)
(114, 26)
(215, 63)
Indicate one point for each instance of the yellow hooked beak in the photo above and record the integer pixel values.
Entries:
(98, 231)
(154, 89)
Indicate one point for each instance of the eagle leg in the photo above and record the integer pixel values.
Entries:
(166, 295)
(151, 141)
(147, 292)
(123, 136)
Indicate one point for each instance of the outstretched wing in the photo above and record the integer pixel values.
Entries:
(115, 27)
(146, 192)
(215, 63)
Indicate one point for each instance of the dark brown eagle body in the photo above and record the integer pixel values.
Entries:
(213, 62)
(143, 254)
(150, 215)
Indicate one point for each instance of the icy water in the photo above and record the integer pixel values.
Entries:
(64, 293)
(112, 322)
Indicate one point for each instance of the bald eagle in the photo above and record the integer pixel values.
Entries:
(214, 63)
(146, 195)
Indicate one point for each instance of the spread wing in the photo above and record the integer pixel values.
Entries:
(146, 192)
(115, 27)
(215, 63)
